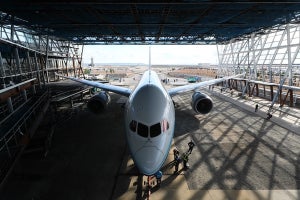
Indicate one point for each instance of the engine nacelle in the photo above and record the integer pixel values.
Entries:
(99, 102)
(201, 103)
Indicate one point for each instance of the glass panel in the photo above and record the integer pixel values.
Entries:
(155, 130)
(133, 125)
(142, 130)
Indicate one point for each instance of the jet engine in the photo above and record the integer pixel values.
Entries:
(99, 102)
(201, 103)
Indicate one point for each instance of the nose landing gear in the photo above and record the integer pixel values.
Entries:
(153, 182)
(148, 186)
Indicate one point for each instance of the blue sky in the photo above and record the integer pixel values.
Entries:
(160, 54)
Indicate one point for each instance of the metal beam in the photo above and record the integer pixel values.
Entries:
(15, 89)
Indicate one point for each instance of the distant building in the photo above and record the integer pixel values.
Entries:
(92, 62)
(204, 65)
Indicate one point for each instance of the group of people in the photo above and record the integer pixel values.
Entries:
(184, 158)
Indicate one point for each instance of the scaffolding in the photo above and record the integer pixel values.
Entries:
(28, 62)
(272, 57)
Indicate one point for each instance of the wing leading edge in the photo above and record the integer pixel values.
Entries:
(185, 88)
(113, 88)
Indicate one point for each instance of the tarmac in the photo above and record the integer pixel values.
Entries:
(239, 154)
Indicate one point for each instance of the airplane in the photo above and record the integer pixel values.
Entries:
(150, 115)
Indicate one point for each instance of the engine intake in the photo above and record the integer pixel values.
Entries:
(99, 102)
(201, 103)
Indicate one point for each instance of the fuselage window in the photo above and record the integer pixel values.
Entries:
(155, 130)
(133, 125)
(164, 125)
(142, 130)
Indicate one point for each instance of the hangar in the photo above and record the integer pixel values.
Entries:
(40, 38)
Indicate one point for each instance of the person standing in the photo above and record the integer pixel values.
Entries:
(176, 160)
(158, 176)
(256, 107)
(185, 159)
(191, 147)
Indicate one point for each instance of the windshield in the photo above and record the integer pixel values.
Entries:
(149, 131)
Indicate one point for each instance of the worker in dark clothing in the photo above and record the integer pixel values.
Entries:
(191, 146)
(269, 116)
(158, 176)
(177, 160)
(185, 159)
(176, 154)
(256, 107)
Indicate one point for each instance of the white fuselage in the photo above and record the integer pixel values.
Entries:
(150, 115)
(149, 122)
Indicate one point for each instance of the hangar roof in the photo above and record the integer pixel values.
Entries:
(148, 22)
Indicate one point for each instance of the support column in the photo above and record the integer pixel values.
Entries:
(68, 54)
(271, 92)
(253, 61)
(42, 64)
(2, 70)
(9, 102)
(289, 93)
(37, 70)
(257, 89)
(291, 98)
(30, 68)
(280, 96)
(74, 69)
(17, 58)
(56, 78)
(80, 63)
(46, 60)
(290, 71)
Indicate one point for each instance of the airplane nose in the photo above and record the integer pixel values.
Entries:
(148, 160)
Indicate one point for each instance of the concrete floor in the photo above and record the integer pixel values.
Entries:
(82, 163)
(238, 155)
(237, 149)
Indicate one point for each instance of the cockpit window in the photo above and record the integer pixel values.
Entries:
(133, 125)
(155, 130)
(142, 130)
(164, 125)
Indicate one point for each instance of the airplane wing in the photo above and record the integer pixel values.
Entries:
(185, 88)
(113, 88)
